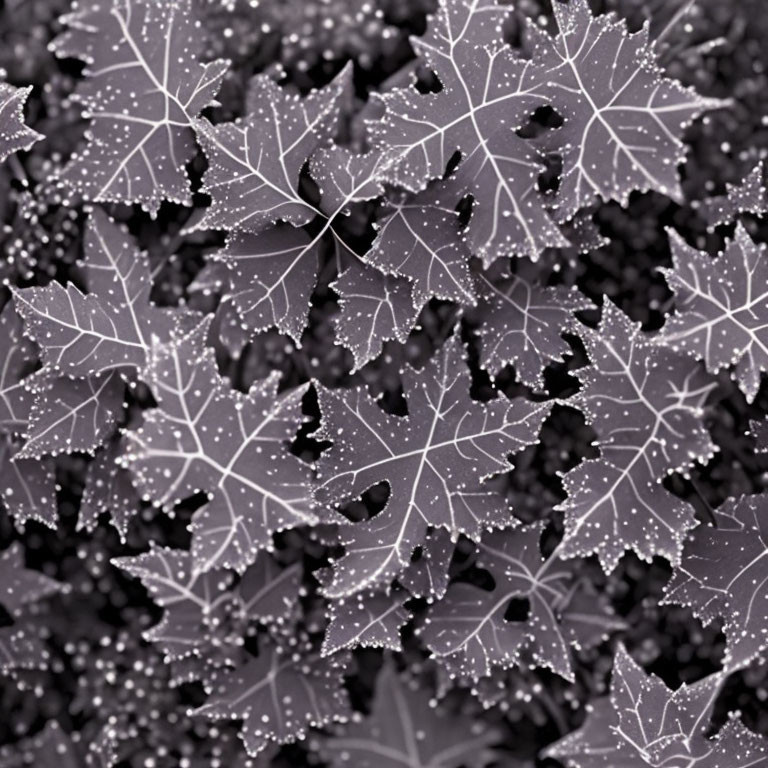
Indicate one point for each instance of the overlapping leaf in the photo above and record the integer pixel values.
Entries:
(646, 725)
(272, 275)
(17, 359)
(418, 238)
(748, 196)
(623, 119)
(523, 321)
(487, 93)
(368, 620)
(374, 308)
(468, 629)
(28, 489)
(645, 403)
(195, 604)
(143, 90)
(404, 728)
(254, 163)
(434, 461)
(724, 573)
(279, 695)
(108, 490)
(207, 437)
(73, 415)
(14, 134)
(108, 328)
(722, 308)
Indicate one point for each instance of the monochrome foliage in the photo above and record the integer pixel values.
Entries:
(353, 409)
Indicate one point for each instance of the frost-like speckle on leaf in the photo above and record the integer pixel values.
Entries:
(14, 134)
(27, 486)
(469, 631)
(108, 490)
(268, 591)
(404, 728)
(645, 403)
(73, 415)
(345, 177)
(20, 585)
(17, 358)
(143, 89)
(724, 573)
(434, 461)
(418, 238)
(487, 93)
(427, 574)
(749, 196)
(272, 275)
(195, 604)
(110, 327)
(279, 695)
(722, 308)
(644, 724)
(366, 620)
(523, 321)
(204, 436)
(623, 119)
(374, 308)
(254, 162)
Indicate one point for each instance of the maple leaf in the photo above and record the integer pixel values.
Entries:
(724, 572)
(108, 489)
(418, 238)
(523, 321)
(722, 308)
(17, 358)
(645, 725)
(143, 90)
(646, 404)
(278, 695)
(254, 162)
(468, 629)
(196, 604)
(19, 585)
(14, 134)
(748, 196)
(367, 620)
(434, 461)
(111, 326)
(468, 633)
(204, 436)
(73, 415)
(28, 486)
(272, 275)
(374, 309)
(405, 728)
(622, 117)
(487, 93)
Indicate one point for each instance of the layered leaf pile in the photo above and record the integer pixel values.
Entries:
(301, 366)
